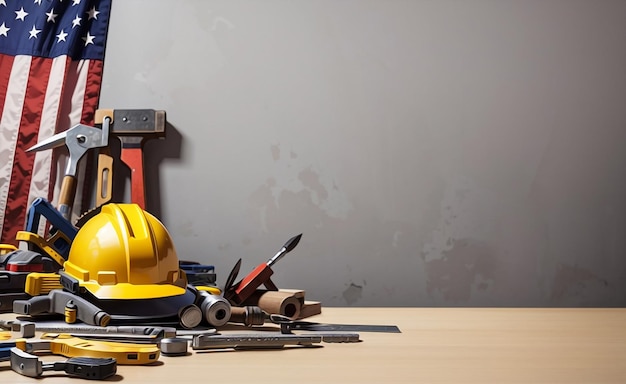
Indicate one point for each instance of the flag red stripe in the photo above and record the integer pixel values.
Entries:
(15, 211)
(92, 92)
(90, 104)
(6, 63)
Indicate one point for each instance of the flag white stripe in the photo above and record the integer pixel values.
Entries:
(76, 74)
(40, 181)
(79, 105)
(10, 125)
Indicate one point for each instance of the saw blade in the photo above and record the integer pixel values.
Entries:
(286, 325)
(344, 328)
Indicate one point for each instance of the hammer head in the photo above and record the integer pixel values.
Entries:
(135, 125)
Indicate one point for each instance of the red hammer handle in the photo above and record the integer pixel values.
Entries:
(133, 158)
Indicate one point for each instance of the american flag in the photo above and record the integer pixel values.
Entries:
(51, 59)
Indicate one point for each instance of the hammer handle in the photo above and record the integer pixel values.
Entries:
(104, 186)
(66, 197)
(133, 158)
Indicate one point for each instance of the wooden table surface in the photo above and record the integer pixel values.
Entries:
(437, 345)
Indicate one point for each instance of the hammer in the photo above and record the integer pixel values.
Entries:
(134, 127)
(78, 140)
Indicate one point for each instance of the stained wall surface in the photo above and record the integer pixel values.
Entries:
(432, 153)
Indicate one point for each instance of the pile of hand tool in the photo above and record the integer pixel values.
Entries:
(128, 299)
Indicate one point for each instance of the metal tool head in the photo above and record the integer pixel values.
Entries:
(84, 136)
(25, 364)
(232, 276)
(139, 122)
(288, 325)
(78, 140)
(49, 143)
(173, 346)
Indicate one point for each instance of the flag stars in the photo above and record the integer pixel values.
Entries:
(61, 36)
(51, 16)
(4, 30)
(33, 33)
(51, 23)
(93, 14)
(88, 39)
(21, 14)
(76, 22)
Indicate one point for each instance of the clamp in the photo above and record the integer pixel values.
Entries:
(63, 232)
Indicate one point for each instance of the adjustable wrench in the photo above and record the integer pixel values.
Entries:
(84, 367)
(70, 346)
(78, 139)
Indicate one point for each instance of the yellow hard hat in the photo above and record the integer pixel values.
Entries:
(124, 252)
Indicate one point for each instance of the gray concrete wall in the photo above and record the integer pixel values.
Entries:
(432, 153)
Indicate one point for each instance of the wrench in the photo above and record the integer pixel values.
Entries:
(84, 367)
(78, 140)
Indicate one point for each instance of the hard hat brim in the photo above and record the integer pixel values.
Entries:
(128, 311)
(132, 291)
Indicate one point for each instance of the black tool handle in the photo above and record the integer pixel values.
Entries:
(288, 247)
(92, 368)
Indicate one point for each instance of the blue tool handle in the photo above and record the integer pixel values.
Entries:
(5, 350)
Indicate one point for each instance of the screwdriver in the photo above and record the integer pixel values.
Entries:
(261, 274)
